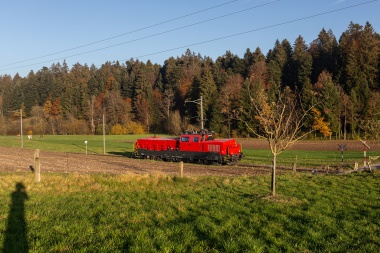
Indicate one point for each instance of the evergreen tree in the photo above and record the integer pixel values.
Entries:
(155, 92)
(301, 64)
(227, 106)
(360, 48)
(324, 51)
(353, 113)
(287, 69)
(248, 60)
(308, 100)
(208, 91)
(247, 113)
(329, 100)
(277, 59)
(30, 91)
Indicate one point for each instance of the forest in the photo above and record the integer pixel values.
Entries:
(341, 77)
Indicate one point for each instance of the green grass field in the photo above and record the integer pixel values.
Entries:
(126, 213)
(74, 143)
(307, 158)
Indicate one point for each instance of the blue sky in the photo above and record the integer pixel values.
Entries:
(41, 32)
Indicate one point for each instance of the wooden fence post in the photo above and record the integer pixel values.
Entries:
(181, 169)
(295, 166)
(37, 165)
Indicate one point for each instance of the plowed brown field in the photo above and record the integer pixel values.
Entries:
(313, 145)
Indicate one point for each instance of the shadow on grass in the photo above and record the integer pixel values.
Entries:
(16, 231)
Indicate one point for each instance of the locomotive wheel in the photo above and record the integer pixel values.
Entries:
(205, 161)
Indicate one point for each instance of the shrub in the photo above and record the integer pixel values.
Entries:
(118, 129)
(134, 128)
(74, 126)
(99, 129)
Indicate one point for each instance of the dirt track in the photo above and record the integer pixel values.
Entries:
(21, 160)
(314, 145)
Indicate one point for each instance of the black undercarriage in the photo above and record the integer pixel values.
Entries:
(188, 156)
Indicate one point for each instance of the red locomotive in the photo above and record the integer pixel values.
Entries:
(192, 146)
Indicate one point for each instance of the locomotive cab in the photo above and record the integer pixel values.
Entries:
(190, 142)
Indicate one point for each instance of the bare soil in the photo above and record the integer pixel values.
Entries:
(317, 145)
(22, 160)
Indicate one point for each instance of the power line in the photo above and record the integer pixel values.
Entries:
(257, 29)
(142, 38)
(123, 34)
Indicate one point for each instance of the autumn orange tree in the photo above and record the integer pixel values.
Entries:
(53, 113)
(279, 121)
(320, 124)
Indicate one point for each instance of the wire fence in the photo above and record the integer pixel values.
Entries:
(314, 159)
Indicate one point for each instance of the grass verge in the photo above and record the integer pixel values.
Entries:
(127, 213)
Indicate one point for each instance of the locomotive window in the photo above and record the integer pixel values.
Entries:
(196, 139)
(185, 139)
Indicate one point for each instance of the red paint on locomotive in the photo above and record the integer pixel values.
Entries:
(190, 146)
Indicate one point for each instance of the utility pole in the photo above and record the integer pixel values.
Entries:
(104, 136)
(199, 102)
(22, 141)
(201, 112)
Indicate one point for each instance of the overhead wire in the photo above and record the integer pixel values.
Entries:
(142, 38)
(257, 29)
(211, 40)
(123, 34)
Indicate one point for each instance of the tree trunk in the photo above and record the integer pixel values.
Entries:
(52, 126)
(273, 184)
(91, 105)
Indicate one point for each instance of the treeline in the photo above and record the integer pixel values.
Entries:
(341, 76)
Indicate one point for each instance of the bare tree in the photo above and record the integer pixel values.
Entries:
(91, 112)
(144, 112)
(3, 125)
(280, 122)
(38, 119)
(175, 122)
(165, 104)
(1, 106)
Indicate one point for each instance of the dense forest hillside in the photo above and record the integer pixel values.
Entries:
(341, 77)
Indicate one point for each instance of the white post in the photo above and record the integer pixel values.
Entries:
(85, 143)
